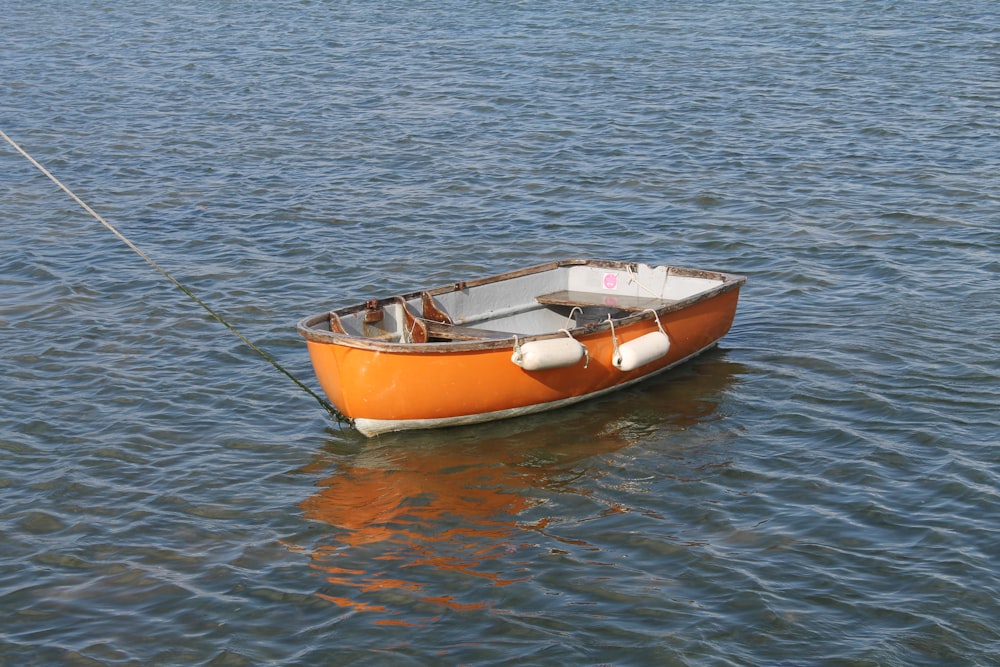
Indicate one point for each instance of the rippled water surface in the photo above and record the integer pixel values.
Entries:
(824, 488)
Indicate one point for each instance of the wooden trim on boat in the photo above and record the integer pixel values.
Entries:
(434, 323)
(333, 321)
(431, 311)
(416, 327)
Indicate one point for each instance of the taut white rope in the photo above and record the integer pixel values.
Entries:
(332, 410)
(632, 278)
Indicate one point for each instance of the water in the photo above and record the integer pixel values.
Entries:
(822, 489)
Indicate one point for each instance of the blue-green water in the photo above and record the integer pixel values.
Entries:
(822, 489)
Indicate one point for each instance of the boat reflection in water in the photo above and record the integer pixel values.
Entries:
(420, 517)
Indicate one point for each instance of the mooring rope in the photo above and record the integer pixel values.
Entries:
(632, 278)
(326, 404)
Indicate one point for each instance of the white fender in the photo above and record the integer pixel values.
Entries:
(539, 355)
(639, 352)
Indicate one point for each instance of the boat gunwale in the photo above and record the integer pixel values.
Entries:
(307, 326)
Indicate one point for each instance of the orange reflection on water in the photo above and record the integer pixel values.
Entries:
(422, 510)
(417, 513)
(408, 508)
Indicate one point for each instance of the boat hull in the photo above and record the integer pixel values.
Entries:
(384, 388)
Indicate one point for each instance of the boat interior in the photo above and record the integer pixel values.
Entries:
(533, 302)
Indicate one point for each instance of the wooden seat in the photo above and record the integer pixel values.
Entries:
(584, 299)
(453, 332)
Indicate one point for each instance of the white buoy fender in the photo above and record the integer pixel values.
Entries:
(639, 352)
(539, 355)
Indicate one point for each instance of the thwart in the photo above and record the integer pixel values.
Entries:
(516, 343)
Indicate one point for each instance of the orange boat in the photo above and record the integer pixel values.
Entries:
(521, 342)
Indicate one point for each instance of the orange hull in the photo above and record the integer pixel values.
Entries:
(403, 386)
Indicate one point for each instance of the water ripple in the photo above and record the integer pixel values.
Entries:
(823, 488)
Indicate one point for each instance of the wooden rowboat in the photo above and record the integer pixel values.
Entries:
(520, 342)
